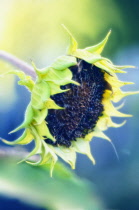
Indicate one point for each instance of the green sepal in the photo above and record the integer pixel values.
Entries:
(82, 146)
(25, 80)
(67, 154)
(108, 67)
(20, 74)
(40, 115)
(38, 145)
(50, 104)
(64, 62)
(105, 68)
(43, 130)
(48, 156)
(73, 43)
(59, 77)
(87, 56)
(28, 119)
(28, 82)
(25, 138)
(54, 88)
(40, 93)
(99, 47)
(40, 72)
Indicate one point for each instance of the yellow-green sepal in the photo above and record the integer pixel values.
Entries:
(67, 154)
(28, 119)
(48, 157)
(25, 138)
(108, 67)
(28, 82)
(82, 146)
(50, 104)
(39, 116)
(38, 145)
(54, 88)
(73, 43)
(40, 72)
(25, 80)
(59, 77)
(97, 49)
(43, 131)
(87, 56)
(64, 62)
(40, 93)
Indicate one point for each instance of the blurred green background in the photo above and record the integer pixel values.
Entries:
(31, 29)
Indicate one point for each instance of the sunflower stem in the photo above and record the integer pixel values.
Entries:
(16, 153)
(13, 60)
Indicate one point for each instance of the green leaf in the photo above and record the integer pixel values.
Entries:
(34, 185)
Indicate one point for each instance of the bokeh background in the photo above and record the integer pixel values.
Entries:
(31, 30)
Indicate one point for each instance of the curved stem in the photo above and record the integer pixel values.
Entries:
(16, 153)
(13, 60)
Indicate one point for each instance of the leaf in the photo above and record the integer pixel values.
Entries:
(33, 185)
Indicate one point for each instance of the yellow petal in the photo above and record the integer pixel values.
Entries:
(109, 108)
(105, 121)
(119, 94)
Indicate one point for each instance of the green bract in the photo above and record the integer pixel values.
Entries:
(49, 81)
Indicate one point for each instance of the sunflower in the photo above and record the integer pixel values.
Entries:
(71, 102)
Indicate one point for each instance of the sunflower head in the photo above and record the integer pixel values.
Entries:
(71, 102)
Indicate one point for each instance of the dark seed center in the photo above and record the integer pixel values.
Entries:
(82, 105)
